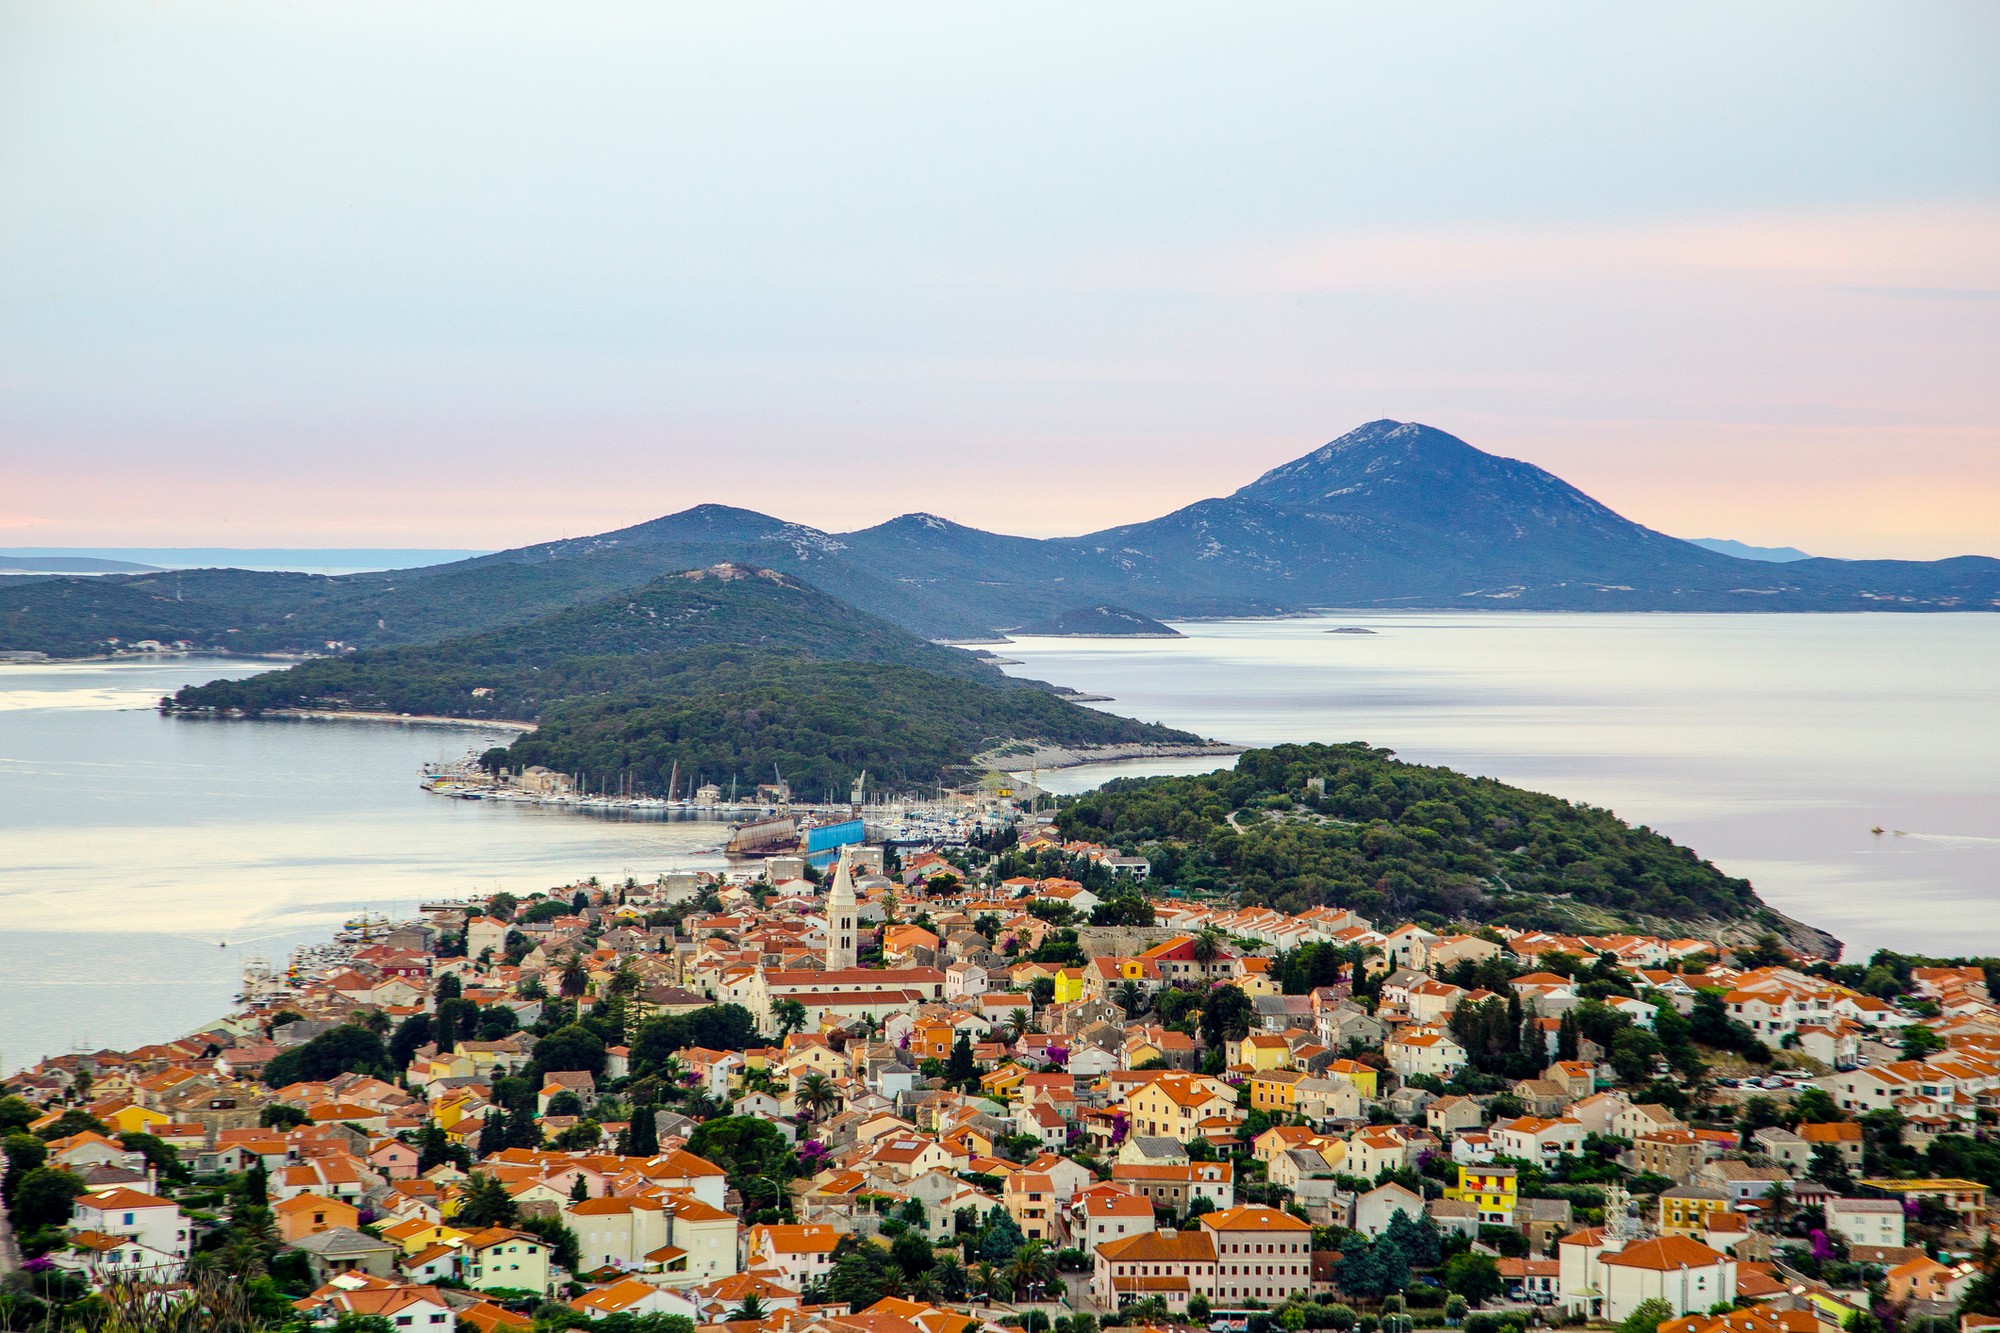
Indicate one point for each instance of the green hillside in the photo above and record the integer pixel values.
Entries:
(1352, 826)
(249, 612)
(726, 713)
(626, 640)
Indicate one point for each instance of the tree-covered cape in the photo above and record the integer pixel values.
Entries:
(1298, 826)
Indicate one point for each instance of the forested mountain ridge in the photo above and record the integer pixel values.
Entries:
(726, 713)
(1391, 514)
(621, 641)
(728, 671)
(252, 612)
(1299, 826)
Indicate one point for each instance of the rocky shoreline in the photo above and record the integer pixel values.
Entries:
(1076, 756)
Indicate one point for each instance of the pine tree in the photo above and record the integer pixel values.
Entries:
(1000, 1237)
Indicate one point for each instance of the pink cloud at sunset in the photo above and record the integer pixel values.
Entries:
(1733, 273)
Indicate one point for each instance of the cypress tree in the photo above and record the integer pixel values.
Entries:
(642, 1136)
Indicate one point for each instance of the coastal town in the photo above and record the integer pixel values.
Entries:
(1004, 1084)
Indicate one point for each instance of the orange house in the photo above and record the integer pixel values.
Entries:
(305, 1215)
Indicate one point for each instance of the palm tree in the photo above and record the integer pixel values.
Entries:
(575, 979)
(986, 1280)
(1207, 946)
(485, 1203)
(256, 1241)
(1131, 998)
(1018, 1024)
(1031, 1270)
(816, 1093)
(751, 1309)
(1776, 1201)
(951, 1278)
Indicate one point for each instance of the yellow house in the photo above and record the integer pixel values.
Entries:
(1261, 1050)
(1069, 985)
(1274, 1091)
(1363, 1077)
(456, 1065)
(450, 1112)
(1278, 1140)
(503, 1258)
(1493, 1190)
(1686, 1211)
(1174, 1105)
(135, 1119)
(812, 1057)
(1001, 1083)
(1255, 978)
(417, 1234)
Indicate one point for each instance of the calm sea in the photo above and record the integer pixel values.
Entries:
(133, 847)
(1773, 745)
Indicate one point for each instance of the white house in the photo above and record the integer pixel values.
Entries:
(150, 1235)
(1106, 1217)
(1424, 1051)
(794, 1255)
(1374, 1210)
(1684, 1273)
(615, 1233)
(1535, 1139)
(1866, 1221)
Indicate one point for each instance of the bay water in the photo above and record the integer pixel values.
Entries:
(1774, 745)
(142, 857)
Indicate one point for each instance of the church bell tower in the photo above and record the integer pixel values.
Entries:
(842, 921)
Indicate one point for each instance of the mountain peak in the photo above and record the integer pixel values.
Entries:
(918, 520)
(1369, 451)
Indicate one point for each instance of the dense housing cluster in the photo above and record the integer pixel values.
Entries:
(1020, 1085)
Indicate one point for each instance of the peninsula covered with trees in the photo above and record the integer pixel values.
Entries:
(724, 671)
(1300, 826)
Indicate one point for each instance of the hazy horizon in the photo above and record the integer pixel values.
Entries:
(445, 274)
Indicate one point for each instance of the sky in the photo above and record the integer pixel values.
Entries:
(355, 272)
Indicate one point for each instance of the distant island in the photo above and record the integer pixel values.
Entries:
(729, 671)
(70, 564)
(1391, 515)
(1099, 622)
(1742, 551)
